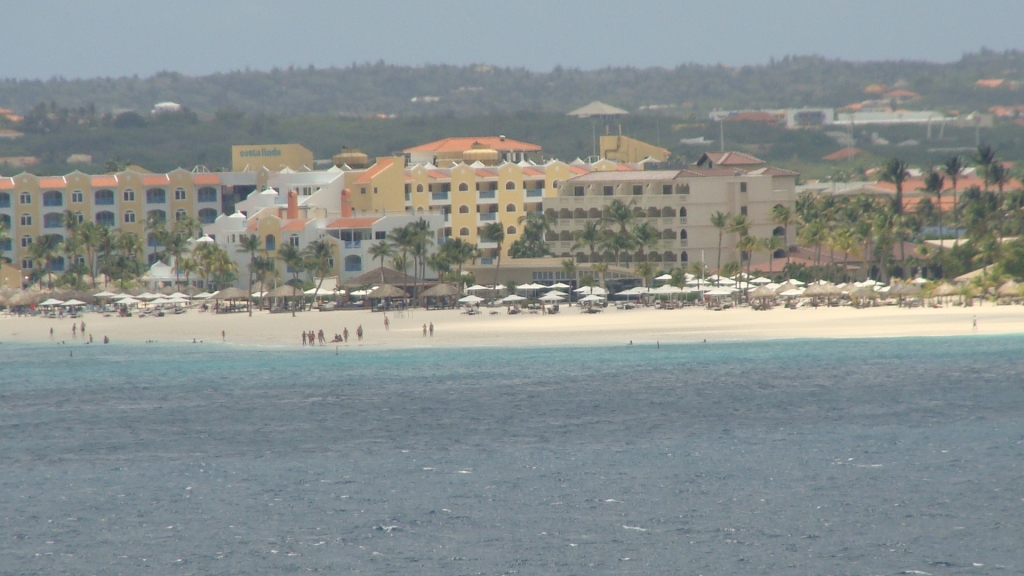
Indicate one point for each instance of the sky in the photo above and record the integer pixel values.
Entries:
(90, 38)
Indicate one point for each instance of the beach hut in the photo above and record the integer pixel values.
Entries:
(443, 292)
(387, 291)
(1009, 289)
(231, 293)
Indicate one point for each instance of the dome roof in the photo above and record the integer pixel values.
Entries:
(269, 192)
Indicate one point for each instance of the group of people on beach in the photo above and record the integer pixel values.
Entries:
(312, 338)
(75, 331)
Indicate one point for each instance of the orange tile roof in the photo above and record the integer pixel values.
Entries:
(103, 181)
(578, 170)
(533, 171)
(485, 174)
(466, 143)
(156, 180)
(367, 176)
(6, 183)
(295, 225)
(53, 182)
(437, 175)
(353, 223)
(205, 179)
(253, 226)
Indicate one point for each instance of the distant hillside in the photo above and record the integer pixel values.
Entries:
(364, 90)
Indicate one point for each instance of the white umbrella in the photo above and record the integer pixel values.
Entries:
(792, 292)
(471, 299)
(760, 280)
(726, 281)
(128, 301)
(591, 290)
(664, 277)
(254, 294)
(477, 288)
(560, 286)
(202, 296)
(796, 282)
(531, 286)
(104, 294)
(180, 295)
(591, 298)
(719, 292)
(51, 302)
(919, 281)
(552, 297)
(148, 296)
(74, 302)
(156, 301)
(667, 289)
(177, 300)
(513, 298)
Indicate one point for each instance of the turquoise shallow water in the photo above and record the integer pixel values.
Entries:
(795, 457)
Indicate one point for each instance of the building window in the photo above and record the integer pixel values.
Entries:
(270, 243)
(638, 190)
(380, 235)
(609, 190)
(743, 186)
(103, 198)
(666, 189)
(511, 230)
(52, 220)
(510, 208)
(157, 215)
(26, 219)
(683, 189)
(510, 185)
(179, 214)
(180, 194)
(129, 195)
(463, 231)
(105, 218)
(463, 209)
(27, 264)
(419, 187)
(26, 198)
(362, 190)
(353, 263)
(743, 210)
(53, 198)
(206, 194)
(577, 190)
(77, 197)
(129, 217)
(156, 196)
(293, 240)
(79, 217)
(463, 187)
(5, 200)
(207, 216)
(26, 241)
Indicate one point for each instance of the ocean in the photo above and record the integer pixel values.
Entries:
(859, 457)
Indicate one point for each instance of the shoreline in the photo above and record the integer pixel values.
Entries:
(567, 329)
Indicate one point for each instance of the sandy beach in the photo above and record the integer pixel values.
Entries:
(570, 328)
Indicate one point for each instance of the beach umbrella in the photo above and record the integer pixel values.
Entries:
(760, 280)
(231, 293)
(359, 293)
(285, 291)
(158, 301)
(762, 292)
(719, 292)
(792, 292)
(667, 289)
(796, 282)
(440, 291)
(513, 298)
(129, 301)
(51, 302)
(591, 290)
(864, 292)
(1010, 288)
(471, 299)
(202, 295)
(904, 290)
(560, 286)
(945, 289)
(258, 294)
(815, 290)
(591, 298)
(478, 288)
(552, 297)
(147, 296)
(919, 281)
(177, 300)
(387, 291)
(104, 294)
(74, 302)
(663, 277)
(180, 295)
(726, 281)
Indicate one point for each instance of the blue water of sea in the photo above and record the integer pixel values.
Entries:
(884, 456)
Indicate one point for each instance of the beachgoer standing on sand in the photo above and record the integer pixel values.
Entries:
(359, 332)
(74, 331)
(90, 338)
(320, 337)
(344, 334)
(51, 333)
(387, 324)
(223, 336)
(303, 337)
(83, 328)
(974, 323)
(424, 330)
(106, 340)
(431, 329)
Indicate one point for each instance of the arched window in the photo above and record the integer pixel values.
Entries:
(464, 209)
(26, 241)
(152, 241)
(419, 187)
(26, 198)
(156, 196)
(129, 195)
(129, 217)
(5, 220)
(510, 208)
(5, 243)
(682, 234)
(565, 214)
(683, 257)
(53, 198)
(353, 263)
(206, 194)
(26, 219)
(180, 194)
(270, 242)
(511, 230)
(668, 234)
(57, 264)
(5, 200)
(105, 218)
(463, 231)
(779, 231)
(103, 198)
(682, 211)
(180, 214)
(207, 216)
(463, 187)
(52, 220)
(510, 185)
(157, 215)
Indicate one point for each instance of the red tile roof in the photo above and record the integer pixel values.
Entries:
(382, 164)
(533, 171)
(104, 181)
(353, 222)
(156, 180)
(6, 183)
(466, 143)
(53, 182)
(295, 225)
(205, 179)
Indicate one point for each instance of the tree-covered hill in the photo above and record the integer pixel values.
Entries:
(368, 89)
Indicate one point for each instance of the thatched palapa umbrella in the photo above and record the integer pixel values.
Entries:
(1009, 289)
(388, 291)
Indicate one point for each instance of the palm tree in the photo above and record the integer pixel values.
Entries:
(645, 270)
(617, 243)
(156, 227)
(601, 268)
(319, 253)
(646, 236)
(999, 175)
(986, 158)
(93, 236)
(44, 250)
(814, 234)
(590, 236)
(846, 241)
(896, 173)
(189, 266)
(251, 245)
(459, 252)
(494, 232)
(748, 245)
(265, 268)
(403, 239)
(770, 245)
(569, 267)
(738, 225)
(952, 167)
(620, 214)
(5, 239)
(293, 261)
(382, 250)
(720, 221)
(933, 184)
(783, 216)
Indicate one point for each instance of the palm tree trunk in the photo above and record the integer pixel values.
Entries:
(497, 268)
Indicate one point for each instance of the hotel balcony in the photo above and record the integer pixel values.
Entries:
(486, 217)
(534, 192)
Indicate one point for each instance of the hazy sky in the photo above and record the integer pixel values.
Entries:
(85, 38)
